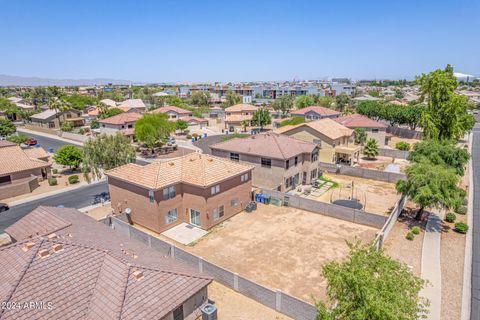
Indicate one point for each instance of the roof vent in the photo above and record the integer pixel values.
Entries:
(28, 246)
(171, 163)
(43, 253)
(138, 275)
(210, 159)
(57, 247)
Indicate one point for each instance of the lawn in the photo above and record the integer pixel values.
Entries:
(233, 136)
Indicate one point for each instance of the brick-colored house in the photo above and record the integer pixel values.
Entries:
(374, 129)
(73, 267)
(198, 189)
(315, 113)
(21, 170)
(281, 162)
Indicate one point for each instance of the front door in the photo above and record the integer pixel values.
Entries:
(195, 217)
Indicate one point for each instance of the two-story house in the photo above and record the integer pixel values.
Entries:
(123, 122)
(281, 162)
(315, 113)
(234, 116)
(198, 189)
(52, 119)
(374, 129)
(175, 113)
(335, 141)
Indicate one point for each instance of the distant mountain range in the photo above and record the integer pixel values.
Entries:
(6, 80)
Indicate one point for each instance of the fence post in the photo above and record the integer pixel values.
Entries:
(200, 264)
(235, 281)
(172, 251)
(278, 300)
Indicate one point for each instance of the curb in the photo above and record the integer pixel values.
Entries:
(51, 136)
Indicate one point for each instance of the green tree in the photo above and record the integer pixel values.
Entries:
(245, 124)
(369, 284)
(261, 118)
(7, 128)
(232, 98)
(107, 113)
(430, 185)
(304, 101)
(78, 101)
(153, 128)
(283, 104)
(181, 125)
(104, 153)
(342, 101)
(440, 153)
(360, 136)
(200, 99)
(399, 94)
(371, 149)
(7, 107)
(66, 126)
(446, 114)
(18, 138)
(57, 104)
(68, 155)
(327, 101)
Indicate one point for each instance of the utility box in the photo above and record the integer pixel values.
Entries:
(209, 312)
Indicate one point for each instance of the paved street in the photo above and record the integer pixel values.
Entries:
(475, 311)
(77, 198)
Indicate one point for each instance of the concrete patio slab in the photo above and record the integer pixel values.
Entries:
(184, 233)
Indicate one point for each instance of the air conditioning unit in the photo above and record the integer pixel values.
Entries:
(209, 312)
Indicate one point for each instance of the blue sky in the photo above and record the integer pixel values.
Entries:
(156, 41)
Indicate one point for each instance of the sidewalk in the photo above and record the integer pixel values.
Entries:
(431, 270)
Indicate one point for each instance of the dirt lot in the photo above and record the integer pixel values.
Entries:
(377, 196)
(394, 140)
(281, 248)
(380, 163)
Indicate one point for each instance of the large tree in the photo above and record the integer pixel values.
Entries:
(261, 118)
(231, 98)
(78, 101)
(283, 104)
(104, 153)
(7, 107)
(68, 155)
(446, 114)
(304, 101)
(440, 153)
(153, 128)
(360, 136)
(342, 101)
(105, 113)
(6, 128)
(368, 284)
(430, 185)
(200, 99)
(371, 149)
(181, 125)
(326, 101)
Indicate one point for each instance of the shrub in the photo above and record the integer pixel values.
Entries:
(450, 217)
(402, 145)
(73, 179)
(189, 136)
(195, 135)
(461, 227)
(416, 230)
(55, 171)
(410, 236)
(461, 210)
(66, 127)
(52, 182)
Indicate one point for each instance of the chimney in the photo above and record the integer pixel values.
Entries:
(57, 247)
(28, 246)
(138, 275)
(43, 253)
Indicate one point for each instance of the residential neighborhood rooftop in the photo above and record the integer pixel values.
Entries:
(122, 118)
(359, 121)
(269, 145)
(327, 127)
(194, 168)
(15, 159)
(88, 271)
(166, 109)
(241, 107)
(317, 109)
(44, 115)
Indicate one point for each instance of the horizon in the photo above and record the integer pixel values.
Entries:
(173, 42)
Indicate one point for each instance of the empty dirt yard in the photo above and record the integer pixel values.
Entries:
(377, 196)
(281, 248)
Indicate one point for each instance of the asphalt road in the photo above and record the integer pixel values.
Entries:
(475, 307)
(47, 142)
(77, 198)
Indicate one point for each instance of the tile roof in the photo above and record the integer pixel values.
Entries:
(175, 109)
(109, 102)
(238, 117)
(317, 109)
(197, 169)
(195, 119)
(122, 118)
(92, 275)
(241, 107)
(47, 114)
(36, 152)
(359, 121)
(14, 159)
(134, 103)
(269, 145)
(327, 127)
(6, 143)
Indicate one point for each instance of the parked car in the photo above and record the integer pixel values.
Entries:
(31, 142)
(4, 207)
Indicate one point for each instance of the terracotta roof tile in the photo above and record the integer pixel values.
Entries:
(166, 109)
(14, 159)
(317, 109)
(238, 117)
(359, 121)
(242, 107)
(122, 118)
(327, 127)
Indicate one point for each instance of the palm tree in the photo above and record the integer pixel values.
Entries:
(371, 149)
(58, 105)
(360, 136)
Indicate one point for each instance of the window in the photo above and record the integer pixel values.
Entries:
(69, 115)
(218, 213)
(171, 216)
(151, 196)
(266, 163)
(374, 130)
(296, 161)
(130, 126)
(234, 202)
(244, 177)
(215, 189)
(314, 156)
(51, 124)
(313, 174)
(287, 164)
(318, 142)
(169, 193)
(234, 156)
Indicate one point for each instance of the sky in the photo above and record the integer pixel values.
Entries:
(169, 41)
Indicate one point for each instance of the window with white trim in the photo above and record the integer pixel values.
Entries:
(234, 202)
(218, 213)
(244, 177)
(215, 189)
(169, 193)
(171, 216)
(151, 196)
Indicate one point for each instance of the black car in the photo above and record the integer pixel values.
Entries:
(4, 207)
